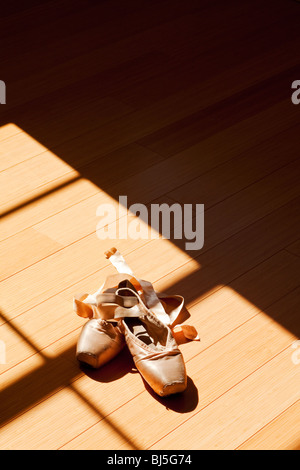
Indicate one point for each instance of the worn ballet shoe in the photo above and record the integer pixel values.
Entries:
(154, 350)
(126, 309)
(100, 340)
(98, 343)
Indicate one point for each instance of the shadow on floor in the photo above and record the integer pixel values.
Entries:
(112, 84)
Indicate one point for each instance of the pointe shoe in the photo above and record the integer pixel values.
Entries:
(154, 350)
(143, 318)
(100, 340)
(98, 343)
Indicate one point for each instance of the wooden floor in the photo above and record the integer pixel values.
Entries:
(161, 101)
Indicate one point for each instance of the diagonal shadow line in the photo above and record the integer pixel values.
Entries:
(55, 374)
(34, 387)
(43, 382)
(48, 382)
(17, 207)
(22, 336)
(49, 378)
(106, 418)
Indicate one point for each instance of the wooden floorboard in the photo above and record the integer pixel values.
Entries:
(168, 102)
(281, 433)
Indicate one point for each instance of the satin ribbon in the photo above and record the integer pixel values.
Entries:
(146, 298)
